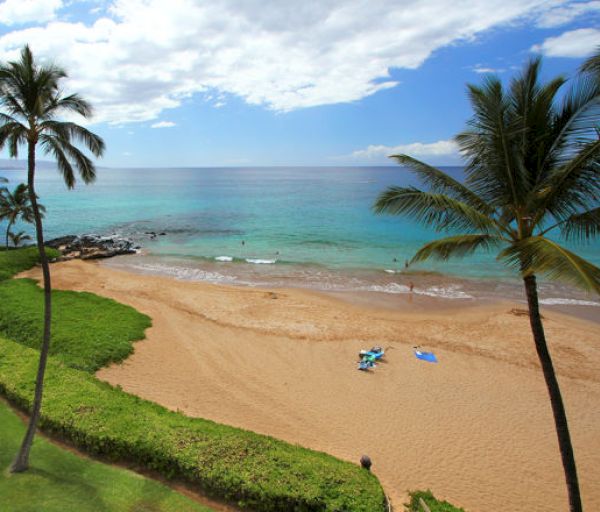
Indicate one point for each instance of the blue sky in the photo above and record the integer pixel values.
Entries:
(276, 82)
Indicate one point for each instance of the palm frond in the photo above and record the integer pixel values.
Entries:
(9, 131)
(85, 167)
(51, 145)
(13, 104)
(493, 170)
(66, 156)
(582, 226)
(574, 123)
(539, 255)
(71, 103)
(592, 64)
(437, 210)
(67, 131)
(15, 139)
(458, 246)
(572, 187)
(440, 182)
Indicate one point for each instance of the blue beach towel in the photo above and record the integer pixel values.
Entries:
(426, 356)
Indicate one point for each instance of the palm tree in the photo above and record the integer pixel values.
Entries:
(17, 238)
(532, 169)
(16, 205)
(31, 101)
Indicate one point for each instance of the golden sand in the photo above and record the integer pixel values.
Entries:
(476, 429)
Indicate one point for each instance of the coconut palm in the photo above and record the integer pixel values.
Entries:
(16, 205)
(31, 102)
(17, 238)
(532, 172)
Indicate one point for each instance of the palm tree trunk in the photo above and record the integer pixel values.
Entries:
(7, 232)
(558, 409)
(21, 462)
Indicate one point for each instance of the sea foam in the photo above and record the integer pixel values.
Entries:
(557, 301)
(258, 261)
(447, 292)
(184, 273)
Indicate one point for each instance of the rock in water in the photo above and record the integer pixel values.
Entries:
(91, 246)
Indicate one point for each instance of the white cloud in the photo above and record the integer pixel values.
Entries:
(567, 12)
(575, 43)
(163, 124)
(27, 11)
(441, 150)
(145, 56)
(482, 69)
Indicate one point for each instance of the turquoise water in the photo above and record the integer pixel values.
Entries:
(316, 223)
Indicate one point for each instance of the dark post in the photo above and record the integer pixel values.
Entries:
(365, 462)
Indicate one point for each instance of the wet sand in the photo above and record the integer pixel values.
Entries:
(476, 429)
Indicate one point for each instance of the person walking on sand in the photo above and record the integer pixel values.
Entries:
(411, 286)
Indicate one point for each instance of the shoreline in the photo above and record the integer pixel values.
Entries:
(476, 428)
(366, 287)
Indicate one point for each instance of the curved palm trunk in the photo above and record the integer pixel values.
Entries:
(21, 462)
(7, 232)
(558, 409)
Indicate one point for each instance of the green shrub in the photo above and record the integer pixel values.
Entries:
(14, 261)
(60, 481)
(88, 332)
(256, 471)
(430, 500)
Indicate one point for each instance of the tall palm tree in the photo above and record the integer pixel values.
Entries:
(31, 101)
(16, 205)
(532, 171)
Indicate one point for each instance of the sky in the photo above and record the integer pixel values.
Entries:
(203, 83)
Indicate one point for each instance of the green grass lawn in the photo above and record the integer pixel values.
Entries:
(88, 332)
(61, 481)
(14, 261)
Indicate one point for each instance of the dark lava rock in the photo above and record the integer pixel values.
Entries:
(89, 247)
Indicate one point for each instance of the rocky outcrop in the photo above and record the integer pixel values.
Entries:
(88, 247)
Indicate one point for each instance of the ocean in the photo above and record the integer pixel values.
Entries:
(307, 227)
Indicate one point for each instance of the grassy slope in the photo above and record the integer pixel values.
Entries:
(60, 481)
(88, 332)
(14, 261)
(434, 504)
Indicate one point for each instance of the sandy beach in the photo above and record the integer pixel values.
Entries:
(476, 428)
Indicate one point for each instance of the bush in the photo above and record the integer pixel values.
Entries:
(256, 471)
(60, 481)
(88, 332)
(430, 500)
